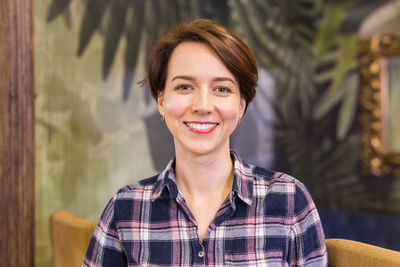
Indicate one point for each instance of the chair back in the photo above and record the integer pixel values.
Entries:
(348, 253)
(70, 236)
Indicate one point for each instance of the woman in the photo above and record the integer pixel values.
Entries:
(208, 207)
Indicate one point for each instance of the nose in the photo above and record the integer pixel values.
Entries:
(202, 101)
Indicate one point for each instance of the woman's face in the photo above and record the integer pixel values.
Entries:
(201, 100)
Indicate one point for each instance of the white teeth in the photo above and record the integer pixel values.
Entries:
(201, 127)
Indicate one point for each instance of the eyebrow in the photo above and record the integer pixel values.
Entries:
(191, 78)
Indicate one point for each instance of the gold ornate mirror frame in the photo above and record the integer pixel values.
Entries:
(377, 158)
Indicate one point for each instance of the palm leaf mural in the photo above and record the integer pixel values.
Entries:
(57, 8)
(310, 47)
(338, 81)
(314, 60)
(282, 37)
(306, 112)
(140, 22)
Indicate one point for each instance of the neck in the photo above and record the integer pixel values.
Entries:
(200, 176)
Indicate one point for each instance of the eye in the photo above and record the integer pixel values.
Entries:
(223, 89)
(183, 87)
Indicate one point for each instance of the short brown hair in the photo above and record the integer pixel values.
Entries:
(230, 48)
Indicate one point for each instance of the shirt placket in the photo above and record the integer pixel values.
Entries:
(198, 251)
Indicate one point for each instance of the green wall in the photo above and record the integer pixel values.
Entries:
(89, 142)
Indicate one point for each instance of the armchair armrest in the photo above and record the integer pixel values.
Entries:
(342, 253)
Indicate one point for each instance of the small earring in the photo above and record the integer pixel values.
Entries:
(163, 117)
(239, 122)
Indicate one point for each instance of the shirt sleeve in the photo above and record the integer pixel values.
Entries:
(306, 240)
(105, 248)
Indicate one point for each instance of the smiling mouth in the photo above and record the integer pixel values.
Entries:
(201, 127)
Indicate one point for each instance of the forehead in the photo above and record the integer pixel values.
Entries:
(196, 58)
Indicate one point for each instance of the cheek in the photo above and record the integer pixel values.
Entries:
(231, 110)
(176, 106)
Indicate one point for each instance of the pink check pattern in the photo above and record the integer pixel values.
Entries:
(268, 219)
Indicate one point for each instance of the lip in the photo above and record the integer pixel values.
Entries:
(201, 131)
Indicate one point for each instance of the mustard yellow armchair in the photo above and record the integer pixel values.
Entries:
(348, 253)
(71, 235)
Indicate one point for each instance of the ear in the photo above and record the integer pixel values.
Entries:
(242, 106)
(160, 103)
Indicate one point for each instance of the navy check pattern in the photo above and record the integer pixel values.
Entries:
(268, 219)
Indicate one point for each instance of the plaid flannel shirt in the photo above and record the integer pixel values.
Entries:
(268, 219)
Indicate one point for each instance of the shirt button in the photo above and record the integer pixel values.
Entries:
(201, 254)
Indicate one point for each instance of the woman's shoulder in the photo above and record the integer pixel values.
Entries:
(259, 174)
(140, 187)
(276, 180)
(279, 182)
(122, 203)
(268, 176)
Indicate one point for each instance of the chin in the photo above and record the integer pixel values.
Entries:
(203, 149)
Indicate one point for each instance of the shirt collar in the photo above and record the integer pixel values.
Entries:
(242, 180)
(166, 184)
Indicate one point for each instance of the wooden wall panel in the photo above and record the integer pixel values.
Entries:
(16, 134)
